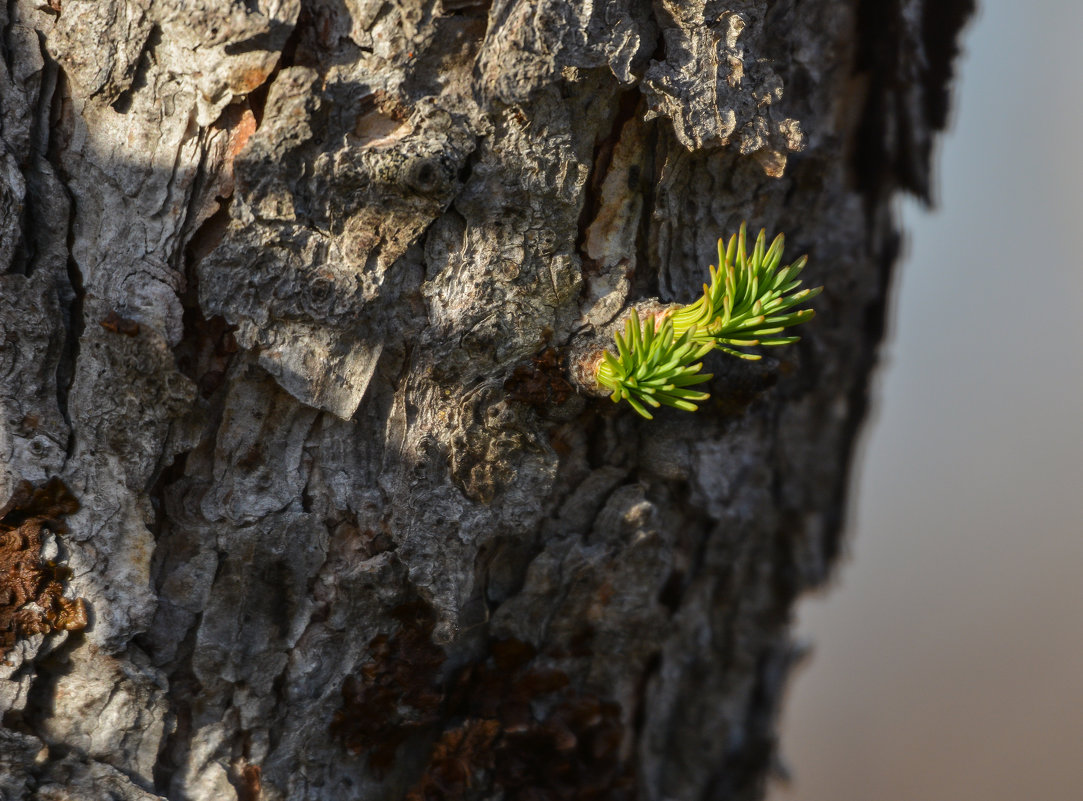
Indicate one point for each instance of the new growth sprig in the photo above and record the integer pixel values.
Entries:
(750, 301)
(747, 303)
(655, 366)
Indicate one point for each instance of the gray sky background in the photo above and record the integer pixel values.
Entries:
(948, 661)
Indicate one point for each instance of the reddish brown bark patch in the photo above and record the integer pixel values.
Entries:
(31, 590)
(509, 723)
(541, 383)
(247, 780)
(397, 693)
(526, 731)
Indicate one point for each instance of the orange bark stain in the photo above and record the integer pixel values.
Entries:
(241, 134)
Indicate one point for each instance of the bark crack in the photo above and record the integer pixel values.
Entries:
(184, 689)
(74, 322)
(123, 103)
(628, 104)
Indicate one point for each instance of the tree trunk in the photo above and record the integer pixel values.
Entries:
(304, 499)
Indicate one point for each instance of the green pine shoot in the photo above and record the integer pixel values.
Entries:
(655, 367)
(750, 301)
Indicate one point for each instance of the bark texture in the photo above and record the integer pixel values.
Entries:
(300, 497)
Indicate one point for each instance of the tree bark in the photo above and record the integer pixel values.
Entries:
(302, 498)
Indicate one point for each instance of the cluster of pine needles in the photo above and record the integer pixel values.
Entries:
(750, 302)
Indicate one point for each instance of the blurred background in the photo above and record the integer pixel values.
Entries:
(948, 653)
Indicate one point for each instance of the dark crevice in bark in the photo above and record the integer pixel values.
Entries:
(184, 690)
(207, 346)
(465, 172)
(298, 50)
(34, 211)
(50, 80)
(672, 593)
(639, 718)
(206, 237)
(169, 475)
(172, 547)
(123, 103)
(509, 558)
(5, 40)
(257, 98)
(646, 277)
(74, 322)
(60, 119)
(306, 495)
(279, 727)
(660, 15)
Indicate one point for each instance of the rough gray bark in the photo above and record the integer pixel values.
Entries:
(287, 289)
